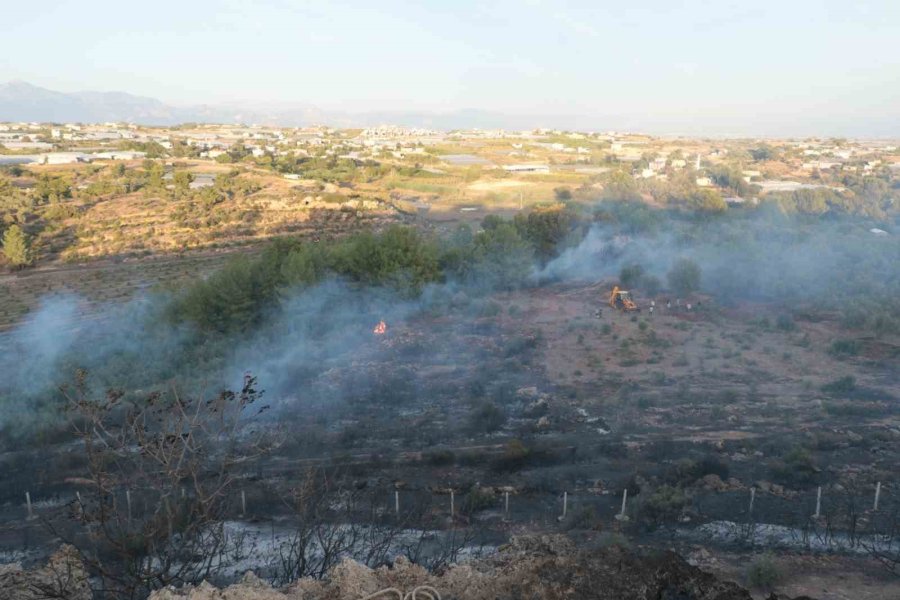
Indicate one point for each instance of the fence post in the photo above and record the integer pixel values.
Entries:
(452, 507)
(243, 503)
(397, 502)
(752, 498)
(877, 496)
(506, 505)
(128, 504)
(28, 503)
(622, 516)
(818, 503)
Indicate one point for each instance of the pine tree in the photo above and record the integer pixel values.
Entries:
(16, 247)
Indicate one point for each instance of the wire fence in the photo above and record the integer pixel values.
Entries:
(825, 518)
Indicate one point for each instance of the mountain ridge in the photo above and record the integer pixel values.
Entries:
(23, 101)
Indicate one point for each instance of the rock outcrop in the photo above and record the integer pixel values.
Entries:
(62, 578)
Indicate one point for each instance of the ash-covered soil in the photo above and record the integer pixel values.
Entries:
(545, 567)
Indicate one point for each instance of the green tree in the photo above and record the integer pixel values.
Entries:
(764, 152)
(304, 266)
(631, 275)
(546, 229)
(51, 189)
(684, 277)
(17, 247)
(707, 200)
(562, 194)
(182, 181)
(400, 257)
(501, 257)
(155, 173)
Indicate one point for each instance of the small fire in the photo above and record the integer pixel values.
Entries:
(380, 329)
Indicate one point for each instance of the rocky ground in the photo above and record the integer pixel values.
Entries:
(62, 578)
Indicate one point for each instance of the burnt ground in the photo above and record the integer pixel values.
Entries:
(531, 393)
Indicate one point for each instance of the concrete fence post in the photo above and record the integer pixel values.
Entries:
(622, 516)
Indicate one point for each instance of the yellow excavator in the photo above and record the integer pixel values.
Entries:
(622, 300)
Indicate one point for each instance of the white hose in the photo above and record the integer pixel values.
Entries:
(427, 593)
(384, 592)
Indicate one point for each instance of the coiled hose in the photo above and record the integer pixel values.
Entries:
(422, 592)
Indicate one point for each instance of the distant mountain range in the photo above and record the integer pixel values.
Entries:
(22, 101)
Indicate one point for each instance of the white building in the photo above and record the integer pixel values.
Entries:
(527, 168)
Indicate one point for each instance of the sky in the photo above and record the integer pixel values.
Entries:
(713, 63)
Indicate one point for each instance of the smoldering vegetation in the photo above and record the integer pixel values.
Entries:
(299, 311)
(800, 262)
(333, 414)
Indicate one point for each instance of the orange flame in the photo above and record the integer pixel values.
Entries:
(380, 329)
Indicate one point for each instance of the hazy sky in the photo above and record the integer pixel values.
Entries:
(717, 62)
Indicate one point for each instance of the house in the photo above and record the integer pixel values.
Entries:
(63, 158)
(704, 181)
(118, 155)
(820, 164)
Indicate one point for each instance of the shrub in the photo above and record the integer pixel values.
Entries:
(631, 275)
(666, 503)
(439, 458)
(840, 386)
(487, 418)
(477, 499)
(513, 458)
(582, 518)
(763, 573)
(785, 323)
(795, 468)
(844, 348)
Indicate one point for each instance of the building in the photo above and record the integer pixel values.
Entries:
(527, 168)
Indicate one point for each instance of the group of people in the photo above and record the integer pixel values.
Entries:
(678, 305)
